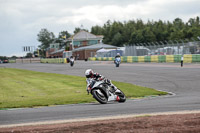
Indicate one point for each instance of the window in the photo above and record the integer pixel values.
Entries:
(91, 42)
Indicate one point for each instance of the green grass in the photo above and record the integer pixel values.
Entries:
(23, 88)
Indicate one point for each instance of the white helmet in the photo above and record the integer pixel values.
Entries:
(118, 54)
(88, 73)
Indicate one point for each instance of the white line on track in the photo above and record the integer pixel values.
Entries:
(100, 118)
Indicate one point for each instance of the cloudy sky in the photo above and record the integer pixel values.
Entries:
(21, 20)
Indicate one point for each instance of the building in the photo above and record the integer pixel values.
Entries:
(82, 53)
(81, 45)
(54, 51)
(84, 44)
(57, 53)
(83, 38)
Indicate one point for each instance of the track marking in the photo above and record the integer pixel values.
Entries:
(100, 118)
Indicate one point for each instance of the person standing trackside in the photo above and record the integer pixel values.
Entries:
(182, 61)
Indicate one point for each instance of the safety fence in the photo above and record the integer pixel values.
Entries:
(154, 58)
(12, 61)
(54, 60)
(163, 48)
(24, 60)
(27, 60)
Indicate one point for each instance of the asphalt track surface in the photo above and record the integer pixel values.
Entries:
(182, 82)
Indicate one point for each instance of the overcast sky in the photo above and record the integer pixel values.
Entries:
(21, 20)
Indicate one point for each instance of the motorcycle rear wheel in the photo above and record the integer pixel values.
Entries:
(101, 99)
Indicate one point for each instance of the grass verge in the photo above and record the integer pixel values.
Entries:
(24, 88)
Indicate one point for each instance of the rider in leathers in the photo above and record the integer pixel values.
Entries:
(91, 75)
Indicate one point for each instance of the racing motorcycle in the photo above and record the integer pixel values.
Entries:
(103, 92)
(71, 60)
(117, 61)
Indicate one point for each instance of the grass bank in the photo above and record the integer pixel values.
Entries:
(24, 88)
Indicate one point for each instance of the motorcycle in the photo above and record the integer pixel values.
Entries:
(71, 60)
(117, 61)
(104, 92)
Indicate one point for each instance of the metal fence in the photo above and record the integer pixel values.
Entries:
(162, 48)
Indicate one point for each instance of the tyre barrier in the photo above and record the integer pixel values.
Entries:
(154, 58)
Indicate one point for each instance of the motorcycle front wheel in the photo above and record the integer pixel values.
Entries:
(71, 64)
(99, 96)
(122, 97)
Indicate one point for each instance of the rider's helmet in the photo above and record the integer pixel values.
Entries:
(89, 73)
(118, 54)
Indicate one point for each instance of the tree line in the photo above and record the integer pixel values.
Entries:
(136, 31)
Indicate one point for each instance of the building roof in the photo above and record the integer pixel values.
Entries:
(58, 51)
(95, 46)
(84, 35)
(104, 50)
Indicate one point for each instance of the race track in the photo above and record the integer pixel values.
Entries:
(183, 83)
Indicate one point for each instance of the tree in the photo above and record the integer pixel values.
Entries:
(139, 37)
(133, 32)
(117, 40)
(13, 57)
(97, 30)
(29, 55)
(79, 29)
(63, 35)
(178, 23)
(148, 35)
(159, 30)
(106, 32)
(132, 39)
(3, 58)
(46, 38)
(127, 31)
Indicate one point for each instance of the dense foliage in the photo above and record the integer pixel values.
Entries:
(136, 31)
(77, 29)
(45, 37)
(3, 58)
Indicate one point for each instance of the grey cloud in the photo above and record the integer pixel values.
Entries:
(21, 20)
